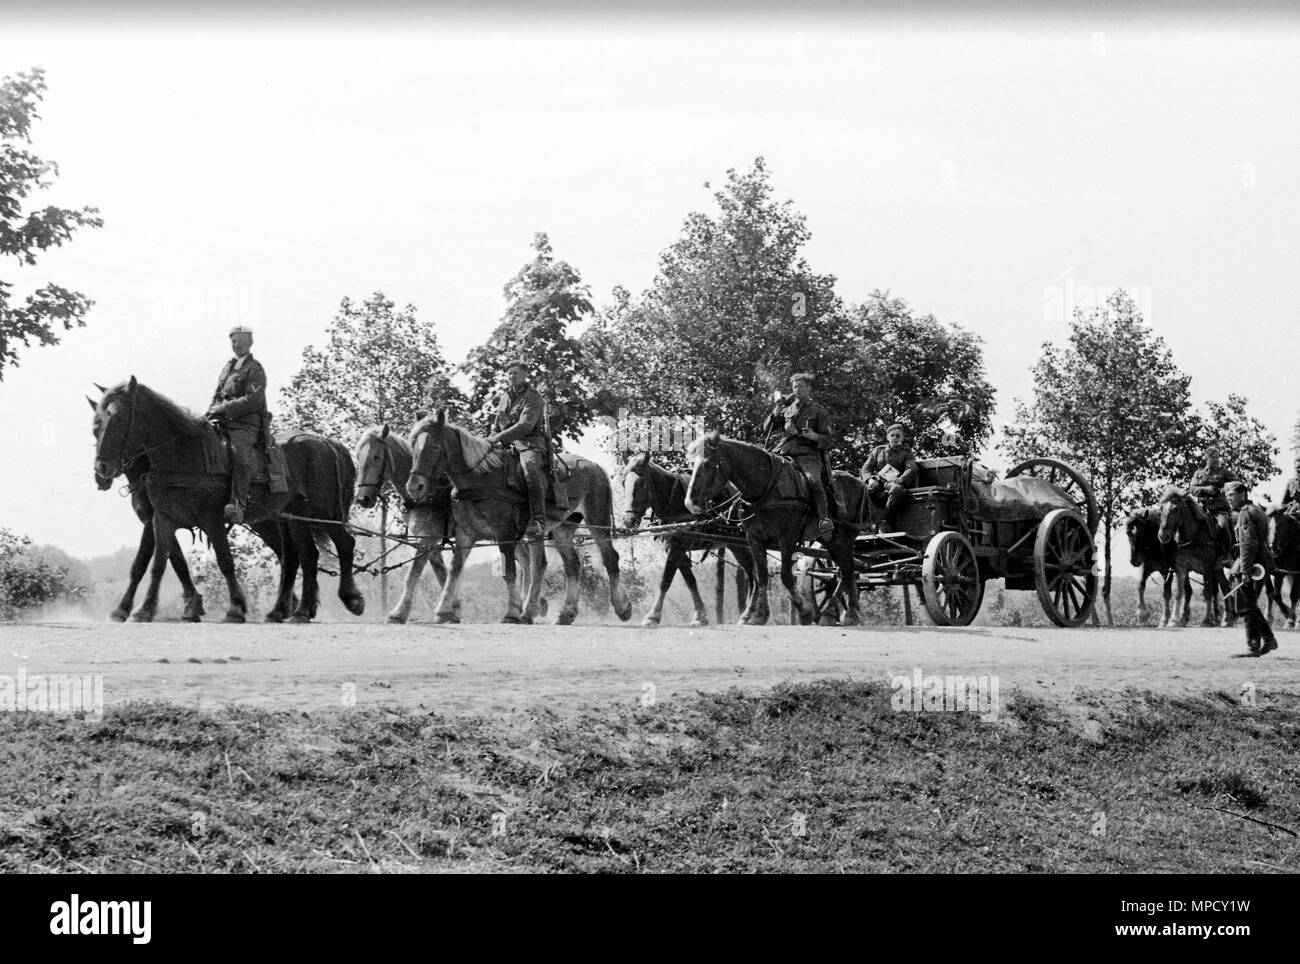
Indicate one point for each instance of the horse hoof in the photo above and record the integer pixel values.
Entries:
(624, 614)
(444, 618)
(141, 617)
(190, 619)
(298, 619)
(850, 619)
(234, 617)
(512, 620)
(119, 615)
(652, 622)
(356, 605)
(397, 620)
(697, 622)
(565, 619)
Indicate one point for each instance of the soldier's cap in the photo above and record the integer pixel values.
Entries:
(1235, 486)
(896, 425)
(802, 377)
(518, 363)
(241, 330)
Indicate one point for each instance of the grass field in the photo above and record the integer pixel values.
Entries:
(813, 777)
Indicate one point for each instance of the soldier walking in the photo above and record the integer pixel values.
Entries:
(1252, 543)
(239, 407)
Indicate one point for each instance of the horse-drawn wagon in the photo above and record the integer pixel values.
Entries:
(961, 527)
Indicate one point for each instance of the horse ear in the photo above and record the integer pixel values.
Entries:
(94, 407)
(384, 433)
(101, 388)
(442, 417)
(421, 414)
(131, 386)
(639, 461)
(714, 437)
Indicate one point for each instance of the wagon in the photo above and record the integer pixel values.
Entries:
(1035, 529)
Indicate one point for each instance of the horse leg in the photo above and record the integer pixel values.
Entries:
(848, 582)
(1143, 612)
(309, 559)
(446, 612)
(402, 611)
(671, 566)
(1295, 598)
(688, 577)
(285, 602)
(345, 547)
(237, 610)
(1185, 600)
(533, 571)
(193, 599)
(804, 610)
(759, 613)
(1210, 590)
(609, 559)
(138, 566)
(572, 575)
(164, 539)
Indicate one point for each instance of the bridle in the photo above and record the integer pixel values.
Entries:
(383, 464)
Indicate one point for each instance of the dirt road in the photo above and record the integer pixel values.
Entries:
(493, 669)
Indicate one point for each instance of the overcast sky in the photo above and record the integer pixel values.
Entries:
(990, 170)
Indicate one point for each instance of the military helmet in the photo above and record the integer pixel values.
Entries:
(518, 363)
(898, 426)
(241, 330)
(806, 377)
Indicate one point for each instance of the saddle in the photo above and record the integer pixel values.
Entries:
(269, 468)
(507, 482)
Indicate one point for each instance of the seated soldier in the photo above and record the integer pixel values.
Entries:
(518, 422)
(1291, 496)
(1207, 485)
(890, 470)
(239, 406)
(805, 438)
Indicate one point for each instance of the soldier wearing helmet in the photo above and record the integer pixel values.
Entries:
(239, 406)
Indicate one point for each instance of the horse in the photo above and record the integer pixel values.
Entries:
(490, 504)
(188, 485)
(780, 516)
(384, 458)
(1148, 554)
(135, 471)
(652, 488)
(1193, 537)
(1284, 544)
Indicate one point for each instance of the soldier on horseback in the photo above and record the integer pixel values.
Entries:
(890, 470)
(518, 420)
(1207, 485)
(806, 438)
(239, 407)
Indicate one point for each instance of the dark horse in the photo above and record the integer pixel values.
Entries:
(1194, 541)
(1148, 554)
(188, 485)
(779, 515)
(652, 488)
(490, 504)
(1284, 544)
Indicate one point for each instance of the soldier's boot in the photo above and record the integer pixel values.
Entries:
(239, 478)
(536, 484)
(893, 504)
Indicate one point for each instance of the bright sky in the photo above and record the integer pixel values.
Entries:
(990, 170)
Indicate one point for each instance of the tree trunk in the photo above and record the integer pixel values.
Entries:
(1105, 583)
(383, 554)
(720, 591)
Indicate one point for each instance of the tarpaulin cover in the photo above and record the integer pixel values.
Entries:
(1022, 498)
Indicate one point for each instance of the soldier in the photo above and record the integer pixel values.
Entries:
(806, 437)
(1252, 541)
(1207, 485)
(1291, 496)
(239, 406)
(890, 470)
(519, 421)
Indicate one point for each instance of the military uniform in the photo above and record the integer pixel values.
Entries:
(519, 422)
(240, 406)
(1207, 486)
(808, 452)
(1291, 497)
(894, 494)
(1252, 541)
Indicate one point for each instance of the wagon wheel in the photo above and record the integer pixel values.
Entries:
(819, 587)
(1066, 478)
(950, 580)
(1063, 568)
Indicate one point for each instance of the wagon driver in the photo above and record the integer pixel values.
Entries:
(890, 470)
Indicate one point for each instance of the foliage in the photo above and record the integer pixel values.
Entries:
(543, 299)
(29, 580)
(1245, 446)
(736, 309)
(1113, 403)
(24, 233)
(256, 568)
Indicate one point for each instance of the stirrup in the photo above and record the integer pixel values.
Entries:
(826, 526)
(234, 513)
(535, 531)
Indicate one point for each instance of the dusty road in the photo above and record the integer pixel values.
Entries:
(493, 669)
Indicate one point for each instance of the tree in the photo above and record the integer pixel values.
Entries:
(381, 366)
(542, 300)
(735, 309)
(22, 234)
(1113, 403)
(1245, 446)
(28, 580)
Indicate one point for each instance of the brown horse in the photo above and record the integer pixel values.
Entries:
(779, 516)
(1193, 538)
(490, 504)
(1284, 544)
(1149, 555)
(188, 484)
(653, 489)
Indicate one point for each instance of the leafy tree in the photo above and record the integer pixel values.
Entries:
(256, 568)
(542, 300)
(24, 233)
(28, 580)
(1113, 403)
(1245, 446)
(380, 366)
(736, 309)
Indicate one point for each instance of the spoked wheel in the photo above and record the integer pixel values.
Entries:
(1069, 480)
(1064, 553)
(950, 580)
(819, 589)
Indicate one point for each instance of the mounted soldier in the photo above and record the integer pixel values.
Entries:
(1207, 485)
(890, 470)
(239, 408)
(806, 438)
(519, 421)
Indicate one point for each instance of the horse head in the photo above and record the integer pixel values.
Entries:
(429, 453)
(1282, 530)
(637, 489)
(112, 427)
(1135, 528)
(374, 467)
(707, 475)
